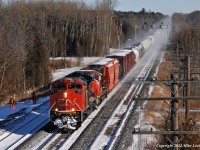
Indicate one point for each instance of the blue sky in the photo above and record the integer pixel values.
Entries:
(163, 6)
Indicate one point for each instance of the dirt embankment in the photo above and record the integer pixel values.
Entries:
(156, 111)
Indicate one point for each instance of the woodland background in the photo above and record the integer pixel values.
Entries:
(33, 31)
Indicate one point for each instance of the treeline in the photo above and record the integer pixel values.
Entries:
(186, 33)
(33, 31)
(180, 20)
(142, 20)
(186, 42)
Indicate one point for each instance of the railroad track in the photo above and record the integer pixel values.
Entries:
(22, 131)
(126, 140)
(56, 140)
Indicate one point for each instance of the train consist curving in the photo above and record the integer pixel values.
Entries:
(79, 93)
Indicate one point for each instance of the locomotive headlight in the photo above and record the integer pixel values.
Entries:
(72, 109)
(65, 95)
(56, 109)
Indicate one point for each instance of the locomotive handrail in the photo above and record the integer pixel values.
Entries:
(52, 106)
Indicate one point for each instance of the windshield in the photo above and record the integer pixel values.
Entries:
(59, 86)
(74, 86)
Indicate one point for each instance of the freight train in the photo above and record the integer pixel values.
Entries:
(76, 95)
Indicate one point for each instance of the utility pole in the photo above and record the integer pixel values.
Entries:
(174, 108)
(185, 72)
(187, 106)
(172, 134)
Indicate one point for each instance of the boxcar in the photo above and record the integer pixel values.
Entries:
(131, 59)
(126, 61)
(109, 68)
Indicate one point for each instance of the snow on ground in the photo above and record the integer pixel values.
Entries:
(28, 105)
(84, 60)
(88, 60)
(8, 115)
(141, 141)
(63, 72)
(13, 120)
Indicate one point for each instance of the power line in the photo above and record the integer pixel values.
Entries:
(180, 82)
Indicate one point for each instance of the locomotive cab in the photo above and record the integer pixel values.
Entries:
(71, 97)
(67, 102)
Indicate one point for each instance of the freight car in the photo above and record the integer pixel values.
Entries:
(79, 93)
(126, 61)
